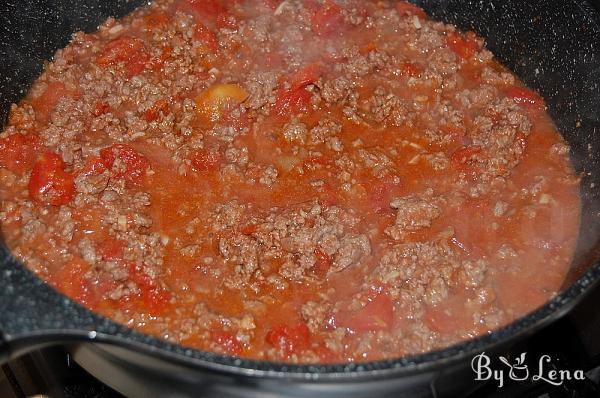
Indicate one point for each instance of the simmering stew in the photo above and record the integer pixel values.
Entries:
(300, 181)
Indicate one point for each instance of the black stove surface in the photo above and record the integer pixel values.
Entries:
(572, 343)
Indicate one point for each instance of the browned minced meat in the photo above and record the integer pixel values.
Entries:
(303, 181)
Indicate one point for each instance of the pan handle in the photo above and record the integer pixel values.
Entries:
(33, 315)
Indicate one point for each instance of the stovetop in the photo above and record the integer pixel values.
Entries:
(573, 343)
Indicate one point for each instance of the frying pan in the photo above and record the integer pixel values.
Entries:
(553, 46)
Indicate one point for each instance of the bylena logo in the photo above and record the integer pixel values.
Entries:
(520, 371)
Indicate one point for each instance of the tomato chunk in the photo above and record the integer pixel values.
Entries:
(206, 37)
(153, 297)
(50, 184)
(290, 339)
(305, 76)
(525, 97)
(248, 229)
(101, 108)
(131, 51)
(125, 162)
(227, 341)
(45, 103)
(227, 21)
(293, 101)
(464, 46)
(208, 9)
(156, 20)
(18, 151)
(377, 314)
(112, 249)
(323, 263)
(93, 166)
(405, 8)
(159, 108)
(328, 19)
(409, 69)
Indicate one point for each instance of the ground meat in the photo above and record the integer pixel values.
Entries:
(385, 107)
(413, 213)
(324, 130)
(92, 184)
(87, 250)
(295, 235)
(236, 181)
(336, 90)
(295, 131)
(315, 314)
(500, 208)
(269, 176)
(260, 88)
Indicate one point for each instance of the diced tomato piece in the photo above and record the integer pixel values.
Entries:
(154, 298)
(227, 341)
(157, 62)
(45, 104)
(93, 166)
(464, 154)
(112, 249)
(207, 160)
(328, 19)
(157, 19)
(131, 165)
(305, 76)
(248, 229)
(406, 8)
(525, 97)
(409, 69)
(49, 183)
(159, 107)
(208, 9)
(290, 339)
(206, 37)
(18, 151)
(131, 51)
(226, 20)
(323, 263)
(291, 102)
(464, 46)
(101, 108)
(377, 314)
